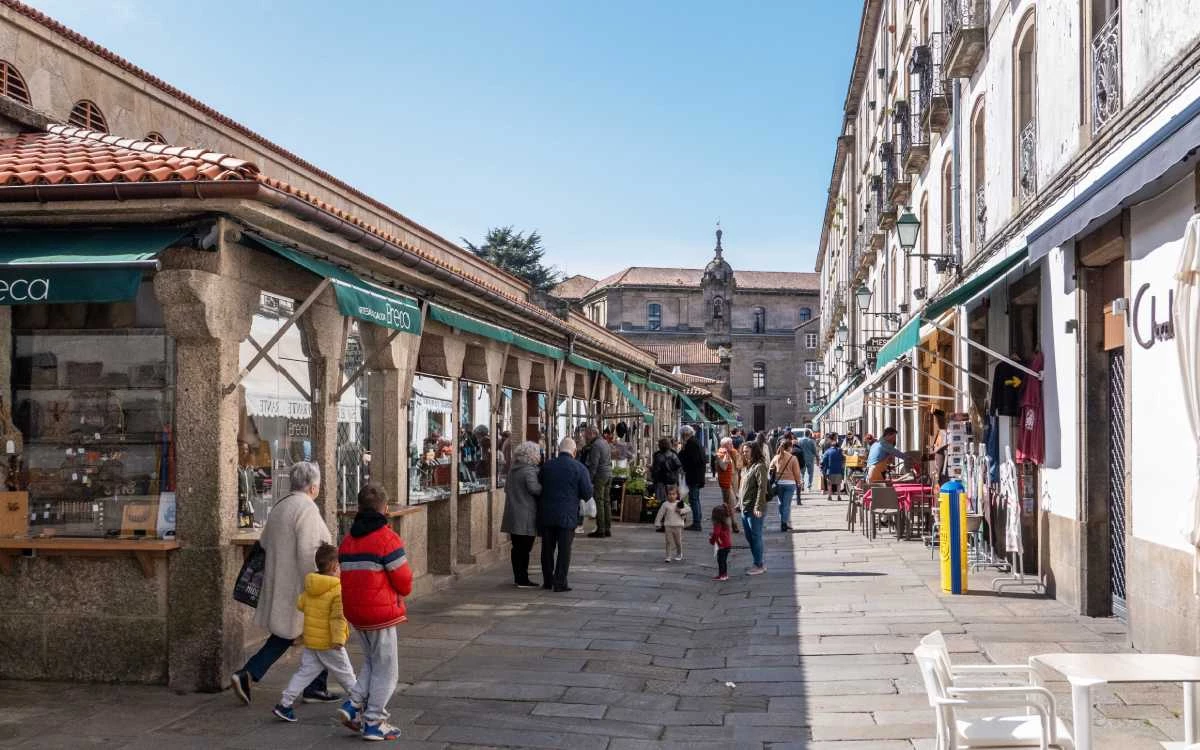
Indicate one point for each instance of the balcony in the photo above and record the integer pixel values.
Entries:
(933, 96)
(1106, 72)
(966, 24)
(980, 217)
(1027, 165)
(913, 138)
(902, 187)
(866, 243)
(885, 186)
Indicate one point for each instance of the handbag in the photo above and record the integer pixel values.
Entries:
(250, 578)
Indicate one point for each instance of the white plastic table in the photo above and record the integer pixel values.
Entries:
(1084, 671)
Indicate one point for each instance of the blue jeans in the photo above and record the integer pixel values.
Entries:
(787, 492)
(753, 528)
(694, 502)
(808, 473)
(270, 652)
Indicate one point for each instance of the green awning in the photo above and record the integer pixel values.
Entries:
(723, 413)
(615, 379)
(899, 344)
(478, 327)
(690, 408)
(974, 286)
(65, 266)
(536, 347)
(585, 363)
(635, 378)
(658, 387)
(844, 388)
(356, 297)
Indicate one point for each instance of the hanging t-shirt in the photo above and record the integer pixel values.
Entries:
(1006, 390)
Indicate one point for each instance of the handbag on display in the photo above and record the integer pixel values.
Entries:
(249, 582)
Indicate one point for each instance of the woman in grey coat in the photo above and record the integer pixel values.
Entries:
(520, 509)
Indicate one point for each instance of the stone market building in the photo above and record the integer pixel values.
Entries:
(748, 330)
(179, 325)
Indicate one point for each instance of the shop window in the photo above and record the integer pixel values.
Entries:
(85, 114)
(654, 316)
(94, 393)
(805, 314)
(276, 427)
(504, 436)
(430, 438)
(12, 84)
(760, 320)
(758, 378)
(474, 438)
(353, 426)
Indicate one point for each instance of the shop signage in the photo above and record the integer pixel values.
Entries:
(23, 291)
(397, 313)
(1151, 329)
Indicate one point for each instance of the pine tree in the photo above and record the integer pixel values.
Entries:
(517, 253)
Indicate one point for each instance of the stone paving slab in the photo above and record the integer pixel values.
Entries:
(816, 654)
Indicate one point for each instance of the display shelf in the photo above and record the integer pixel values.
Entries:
(146, 551)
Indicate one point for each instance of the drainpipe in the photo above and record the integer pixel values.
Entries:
(956, 193)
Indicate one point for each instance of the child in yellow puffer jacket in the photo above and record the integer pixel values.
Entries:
(325, 632)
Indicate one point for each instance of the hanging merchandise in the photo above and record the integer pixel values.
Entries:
(991, 438)
(1013, 544)
(957, 430)
(1006, 389)
(1031, 438)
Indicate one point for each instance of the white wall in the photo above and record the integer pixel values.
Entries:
(1153, 32)
(1060, 387)
(1161, 447)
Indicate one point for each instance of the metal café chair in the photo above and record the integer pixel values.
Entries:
(884, 502)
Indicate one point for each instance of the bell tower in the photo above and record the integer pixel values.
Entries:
(719, 286)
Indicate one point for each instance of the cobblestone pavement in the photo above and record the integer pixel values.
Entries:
(642, 654)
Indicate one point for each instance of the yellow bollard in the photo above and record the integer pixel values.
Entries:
(952, 537)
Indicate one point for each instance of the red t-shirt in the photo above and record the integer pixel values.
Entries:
(720, 536)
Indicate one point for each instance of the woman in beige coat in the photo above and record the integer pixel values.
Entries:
(294, 531)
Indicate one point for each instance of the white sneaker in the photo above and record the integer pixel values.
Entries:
(678, 558)
(666, 559)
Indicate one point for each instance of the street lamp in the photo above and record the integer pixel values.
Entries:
(862, 297)
(908, 227)
(840, 351)
(843, 334)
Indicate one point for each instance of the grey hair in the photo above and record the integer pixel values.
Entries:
(567, 445)
(726, 441)
(526, 453)
(304, 475)
(687, 431)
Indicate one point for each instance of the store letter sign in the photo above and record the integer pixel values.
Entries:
(24, 290)
(1156, 331)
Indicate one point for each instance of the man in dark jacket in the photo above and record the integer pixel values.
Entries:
(691, 455)
(599, 465)
(565, 482)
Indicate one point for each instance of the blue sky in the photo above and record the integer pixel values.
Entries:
(620, 130)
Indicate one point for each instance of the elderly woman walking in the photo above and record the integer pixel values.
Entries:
(294, 531)
(520, 509)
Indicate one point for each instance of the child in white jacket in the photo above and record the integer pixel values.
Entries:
(672, 516)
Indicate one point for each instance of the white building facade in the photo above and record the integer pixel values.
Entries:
(1046, 150)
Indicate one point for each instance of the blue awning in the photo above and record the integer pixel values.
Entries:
(1157, 163)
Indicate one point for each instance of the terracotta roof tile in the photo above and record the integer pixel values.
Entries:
(574, 287)
(690, 353)
(690, 277)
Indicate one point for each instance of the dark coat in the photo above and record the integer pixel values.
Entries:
(694, 464)
(665, 468)
(565, 482)
(521, 493)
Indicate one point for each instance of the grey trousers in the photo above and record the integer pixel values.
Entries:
(312, 663)
(379, 674)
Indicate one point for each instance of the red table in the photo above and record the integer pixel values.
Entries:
(906, 493)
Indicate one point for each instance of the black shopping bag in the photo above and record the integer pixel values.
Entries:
(250, 579)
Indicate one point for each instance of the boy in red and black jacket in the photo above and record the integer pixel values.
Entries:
(375, 579)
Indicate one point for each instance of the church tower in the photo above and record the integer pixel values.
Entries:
(719, 286)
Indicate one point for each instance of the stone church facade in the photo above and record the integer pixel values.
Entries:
(754, 331)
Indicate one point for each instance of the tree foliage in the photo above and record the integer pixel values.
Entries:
(518, 253)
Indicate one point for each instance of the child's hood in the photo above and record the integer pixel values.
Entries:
(319, 584)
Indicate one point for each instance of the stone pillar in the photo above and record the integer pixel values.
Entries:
(520, 409)
(495, 357)
(208, 316)
(443, 514)
(322, 325)
(394, 365)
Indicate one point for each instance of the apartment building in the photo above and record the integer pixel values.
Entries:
(1013, 191)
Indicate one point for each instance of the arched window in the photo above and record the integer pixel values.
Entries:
(805, 314)
(978, 180)
(155, 137)
(12, 84)
(758, 378)
(654, 316)
(760, 320)
(947, 238)
(85, 114)
(1025, 110)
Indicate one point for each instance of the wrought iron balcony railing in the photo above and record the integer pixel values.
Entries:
(965, 23)
(912, 136)
(933, 93)
(1106, 72)
(980, 217)
(1027, 166)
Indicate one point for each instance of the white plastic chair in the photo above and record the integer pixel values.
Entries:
(936, 642)
(1041, 729)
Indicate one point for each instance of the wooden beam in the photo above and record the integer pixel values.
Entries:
(262, 352)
